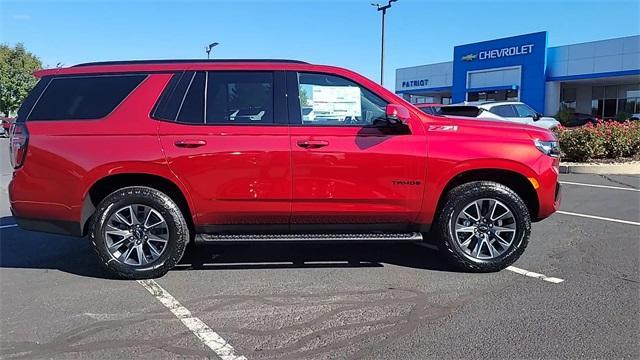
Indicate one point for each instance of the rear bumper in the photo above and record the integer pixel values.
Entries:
(50, 226)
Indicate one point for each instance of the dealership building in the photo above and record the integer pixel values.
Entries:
(601, 78)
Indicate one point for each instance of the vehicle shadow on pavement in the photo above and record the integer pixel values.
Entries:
(22, 249)
(34, 250)
(311, 255)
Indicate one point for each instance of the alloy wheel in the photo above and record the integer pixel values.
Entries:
(485, 228)
(136, 235)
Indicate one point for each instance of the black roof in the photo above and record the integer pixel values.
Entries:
(186, 61)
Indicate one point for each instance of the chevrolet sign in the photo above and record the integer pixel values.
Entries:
(500, 53)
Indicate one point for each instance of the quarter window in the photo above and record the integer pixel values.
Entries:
(83, 97)
(336, 101)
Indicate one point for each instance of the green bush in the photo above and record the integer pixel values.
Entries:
(605, 140)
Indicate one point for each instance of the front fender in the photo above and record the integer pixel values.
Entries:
(438, 181)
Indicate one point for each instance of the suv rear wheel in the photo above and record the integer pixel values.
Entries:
(139, 233)
(483, 226)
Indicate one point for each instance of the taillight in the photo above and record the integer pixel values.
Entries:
(19, 139)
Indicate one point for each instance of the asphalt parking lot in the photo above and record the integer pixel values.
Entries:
(573, 294)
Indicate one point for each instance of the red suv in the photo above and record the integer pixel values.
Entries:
(147, 156)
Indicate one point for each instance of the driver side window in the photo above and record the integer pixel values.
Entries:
(524, 111)
(334, 101)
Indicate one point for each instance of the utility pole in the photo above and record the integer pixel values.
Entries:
(382, 8)
(209, 47)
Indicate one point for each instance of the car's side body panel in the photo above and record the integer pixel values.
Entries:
(458, 145)
(257, 175)
(362, 175)
(65, 158)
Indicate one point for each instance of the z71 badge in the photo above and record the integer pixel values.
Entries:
(443, 128)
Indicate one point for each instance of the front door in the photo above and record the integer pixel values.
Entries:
(347, 173)
(227, 140)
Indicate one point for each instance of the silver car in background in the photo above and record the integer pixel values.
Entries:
(512, 111)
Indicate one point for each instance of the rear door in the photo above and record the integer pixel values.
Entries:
(226, 137)
(347, 173)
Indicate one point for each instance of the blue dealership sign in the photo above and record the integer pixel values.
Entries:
(528, 52)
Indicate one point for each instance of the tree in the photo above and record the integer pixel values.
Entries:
(16, 79)
(304, 98)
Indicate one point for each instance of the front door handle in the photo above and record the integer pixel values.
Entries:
(190, 143)
(312, 144)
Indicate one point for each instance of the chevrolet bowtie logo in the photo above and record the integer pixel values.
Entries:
(469, 57)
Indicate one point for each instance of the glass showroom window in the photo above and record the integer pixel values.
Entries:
(608, 101)
(568, 98)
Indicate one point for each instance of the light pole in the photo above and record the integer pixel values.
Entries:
(209, 47)
(383, 8)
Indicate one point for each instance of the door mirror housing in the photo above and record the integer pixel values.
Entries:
(537, 116)
(395, 121)
(397, 114)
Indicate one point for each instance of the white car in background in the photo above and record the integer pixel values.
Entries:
(504, 110)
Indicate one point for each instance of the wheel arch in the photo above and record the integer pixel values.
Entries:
(108, 184)
(514, 180)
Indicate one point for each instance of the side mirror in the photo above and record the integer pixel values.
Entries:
(398, 113)
(395, 120)
(537, 116)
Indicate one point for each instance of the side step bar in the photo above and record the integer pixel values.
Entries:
(330, 237)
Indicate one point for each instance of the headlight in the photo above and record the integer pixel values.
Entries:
(551, 148)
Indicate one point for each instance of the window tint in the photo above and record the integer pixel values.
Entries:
(332, 100)
(524, 111)
(31, 99)
(504, 110)
(240, 98)
(192, 107)
(171, 98)
(84, 97)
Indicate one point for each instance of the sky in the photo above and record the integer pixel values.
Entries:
(343, 33)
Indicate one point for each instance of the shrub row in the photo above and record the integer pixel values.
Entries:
(604, 140)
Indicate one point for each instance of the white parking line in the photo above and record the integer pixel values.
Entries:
(8, 226)
(535, 275)
(209, 337)
(600, 186)
(599, 218)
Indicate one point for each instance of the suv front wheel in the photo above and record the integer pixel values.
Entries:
(483, 226)
(138, 233)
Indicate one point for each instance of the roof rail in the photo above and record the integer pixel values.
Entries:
(183, 61)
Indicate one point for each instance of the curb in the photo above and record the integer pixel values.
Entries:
(615, 169)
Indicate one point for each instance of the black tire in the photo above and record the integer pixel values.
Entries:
(178, 231)
(456, 200)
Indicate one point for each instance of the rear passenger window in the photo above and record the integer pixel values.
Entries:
(84, 97)
(239, 98)
(218, 97)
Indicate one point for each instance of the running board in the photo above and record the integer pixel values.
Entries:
(330, 237)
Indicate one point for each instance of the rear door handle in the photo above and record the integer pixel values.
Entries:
(190, 143)
(312, 144)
